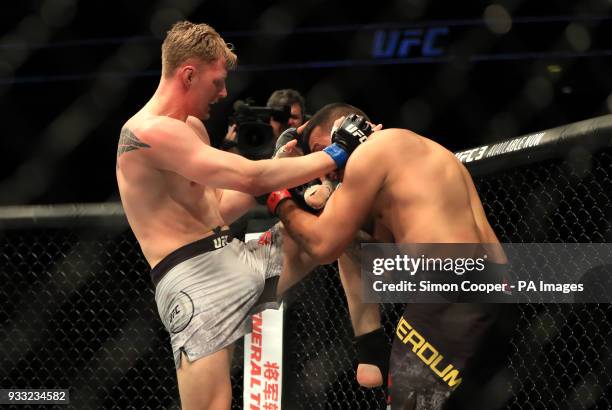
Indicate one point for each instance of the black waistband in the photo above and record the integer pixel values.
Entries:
(217, 240)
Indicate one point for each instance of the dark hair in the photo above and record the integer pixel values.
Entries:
(280, 98)
(325, 118)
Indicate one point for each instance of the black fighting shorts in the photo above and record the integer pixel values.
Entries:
(451, 355)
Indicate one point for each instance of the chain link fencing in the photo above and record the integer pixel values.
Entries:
(78, 309)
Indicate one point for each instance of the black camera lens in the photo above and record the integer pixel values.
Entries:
(254, 135)
(255, 140)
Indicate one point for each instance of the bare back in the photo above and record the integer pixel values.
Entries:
(427, 196)
(164, 209)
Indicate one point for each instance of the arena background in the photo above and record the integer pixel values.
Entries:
(72, 72)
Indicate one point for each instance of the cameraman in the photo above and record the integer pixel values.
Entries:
(287, 97)
(291, 103)
(279, 100)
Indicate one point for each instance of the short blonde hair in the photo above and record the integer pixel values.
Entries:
(186, 40)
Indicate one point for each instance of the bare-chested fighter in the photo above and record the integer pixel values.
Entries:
(179, 195)
(411, 190)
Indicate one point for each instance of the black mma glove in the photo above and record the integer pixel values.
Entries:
(286, 136)
(353, 131)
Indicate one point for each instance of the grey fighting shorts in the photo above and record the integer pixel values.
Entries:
(207, 290)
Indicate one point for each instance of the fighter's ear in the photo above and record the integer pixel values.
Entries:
(187, 75)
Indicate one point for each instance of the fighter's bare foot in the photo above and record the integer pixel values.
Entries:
(369, 376)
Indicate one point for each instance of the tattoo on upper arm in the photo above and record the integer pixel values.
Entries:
(128, 141)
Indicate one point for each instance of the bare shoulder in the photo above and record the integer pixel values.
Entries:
(161, 124)
(153, 136)
(396, 141)
(198, 126)
(133, 136)
(374, 155)
(161, 129)
(384, 137)
(385, 141)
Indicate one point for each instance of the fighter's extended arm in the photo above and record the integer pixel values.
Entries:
(233, 204)
(325, 237)
(173, 146)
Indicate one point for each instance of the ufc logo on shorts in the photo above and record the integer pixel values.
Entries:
(174, 312)
(220, 242)
(356, 131)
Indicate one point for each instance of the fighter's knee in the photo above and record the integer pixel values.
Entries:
(218, 399)
(221, 402)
